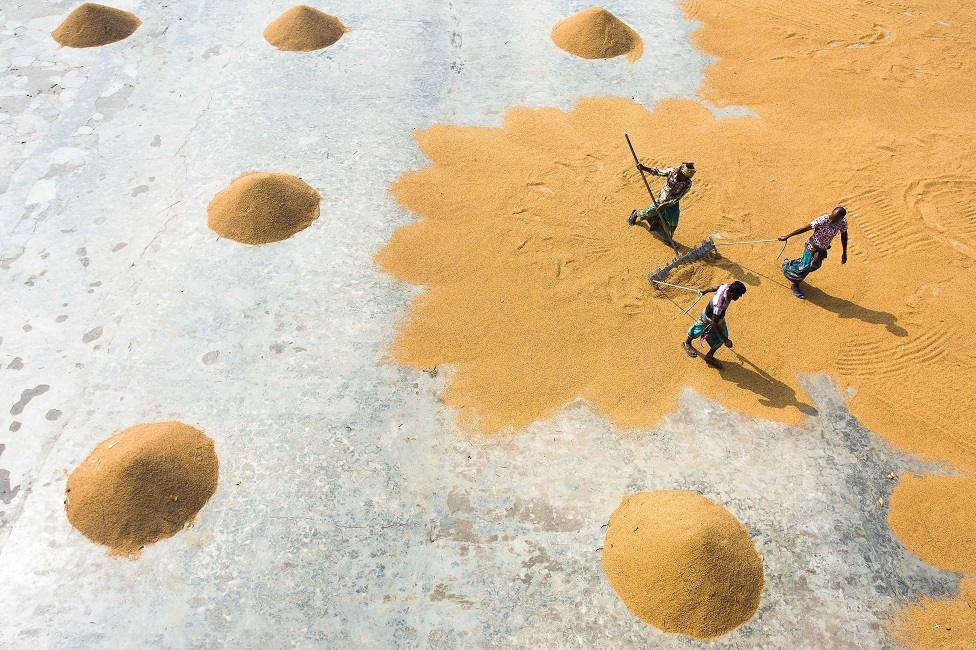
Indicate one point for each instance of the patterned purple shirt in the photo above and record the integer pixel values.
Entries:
(824, 231)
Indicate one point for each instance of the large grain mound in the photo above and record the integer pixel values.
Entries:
(682, 563)
(141, 485)
(302, 29)
(595, 33)
(90, 25)
(259, 207)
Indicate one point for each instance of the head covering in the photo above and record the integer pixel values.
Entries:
(687, 169)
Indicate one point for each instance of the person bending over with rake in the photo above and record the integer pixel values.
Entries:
(711, 324)
(676, 185)
(825, 228)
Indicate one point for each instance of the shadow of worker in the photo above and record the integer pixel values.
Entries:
(655, 228)
(847, 309)
(773, 392)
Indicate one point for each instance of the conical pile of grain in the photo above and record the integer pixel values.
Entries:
(259, 207)
(682, 563)
(595, 33)
(90, 25)
(141, 485)
(302, 28)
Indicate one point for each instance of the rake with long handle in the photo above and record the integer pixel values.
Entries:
(676, 286)
(657, 208)
(701, 294)
(703, 251)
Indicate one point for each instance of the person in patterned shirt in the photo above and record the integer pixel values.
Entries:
(825, 228)
(711, 325)
(676, 185)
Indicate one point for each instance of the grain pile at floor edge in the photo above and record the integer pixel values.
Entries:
(141, 485)
(682, 563)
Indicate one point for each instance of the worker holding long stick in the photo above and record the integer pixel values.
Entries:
(825, 228)
(711, 324)
(676, 185)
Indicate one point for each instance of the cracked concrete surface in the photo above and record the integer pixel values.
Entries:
(350, 509)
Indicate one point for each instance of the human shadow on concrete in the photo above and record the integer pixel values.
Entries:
(773, 392)
(847, 309)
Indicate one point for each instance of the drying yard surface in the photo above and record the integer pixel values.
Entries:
(449, 411)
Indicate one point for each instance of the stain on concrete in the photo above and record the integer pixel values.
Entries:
(52, 415)
(16, 364)
(61, 318)
(14, 426)
(210, 358)
(26, 396)
(92, 335)
(119, 246)
(441, 593)
(459, 501)
(543, 515)
(6, 493)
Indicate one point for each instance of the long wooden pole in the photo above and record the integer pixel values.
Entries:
(657, 209)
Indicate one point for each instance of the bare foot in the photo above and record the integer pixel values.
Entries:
(713, 362)
(690, 349)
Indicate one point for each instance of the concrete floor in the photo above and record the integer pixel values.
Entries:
(350, 510)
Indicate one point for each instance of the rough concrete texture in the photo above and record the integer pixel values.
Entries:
(350, 512)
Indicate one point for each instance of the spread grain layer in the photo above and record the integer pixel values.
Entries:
(522, 237)
(91, 25)
(261, 207)
(682, 563)
(302, 29)
(141, 485)
(595, 33)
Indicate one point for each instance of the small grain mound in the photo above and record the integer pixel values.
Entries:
(302, 29)
(259, 207)
(141, 485)
(595, 33)
(682, 563)
(91, 25)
